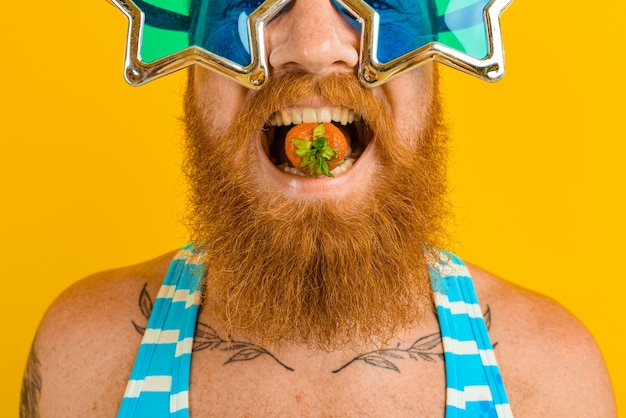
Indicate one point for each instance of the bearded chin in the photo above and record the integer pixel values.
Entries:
(325, 272)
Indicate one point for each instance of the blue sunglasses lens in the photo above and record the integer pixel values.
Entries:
(408, 26)
(218, 26)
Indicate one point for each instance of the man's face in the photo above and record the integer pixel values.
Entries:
(317, 259)
(313, 37)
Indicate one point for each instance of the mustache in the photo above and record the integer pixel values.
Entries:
(288, 88)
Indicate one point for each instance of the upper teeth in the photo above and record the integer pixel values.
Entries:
(294, 115)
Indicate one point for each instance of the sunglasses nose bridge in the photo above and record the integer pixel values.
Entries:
(314, 36)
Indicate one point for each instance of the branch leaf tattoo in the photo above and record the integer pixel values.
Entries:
(145, 302)
(246, 354)
(206, 338)
(427, 348)
(145, 306)
(379, 361)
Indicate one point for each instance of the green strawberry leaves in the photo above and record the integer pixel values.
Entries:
(316, 154)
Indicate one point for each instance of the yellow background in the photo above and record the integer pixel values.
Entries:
(90, 166)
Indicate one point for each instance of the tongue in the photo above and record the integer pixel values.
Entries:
(345, 130)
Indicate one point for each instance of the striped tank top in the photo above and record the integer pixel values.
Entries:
(159, 382)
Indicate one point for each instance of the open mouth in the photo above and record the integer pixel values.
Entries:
(349, 122)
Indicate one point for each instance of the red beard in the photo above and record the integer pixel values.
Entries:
(322, 272)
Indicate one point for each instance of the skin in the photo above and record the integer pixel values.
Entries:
(86, 344)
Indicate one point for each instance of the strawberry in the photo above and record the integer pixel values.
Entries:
(315, 148)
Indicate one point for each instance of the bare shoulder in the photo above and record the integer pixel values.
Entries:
(551, 365)
(87, 341)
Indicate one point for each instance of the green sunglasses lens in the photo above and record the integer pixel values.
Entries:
(461, 25)
(218, 26)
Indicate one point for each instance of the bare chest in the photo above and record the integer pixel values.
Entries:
(316, 386)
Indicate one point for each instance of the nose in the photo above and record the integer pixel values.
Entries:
(312, 35)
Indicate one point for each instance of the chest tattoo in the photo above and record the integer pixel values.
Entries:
(427, 348)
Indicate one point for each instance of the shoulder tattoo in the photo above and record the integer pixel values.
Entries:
(31, 387)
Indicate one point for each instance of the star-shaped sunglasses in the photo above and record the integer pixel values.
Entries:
(227, 36)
